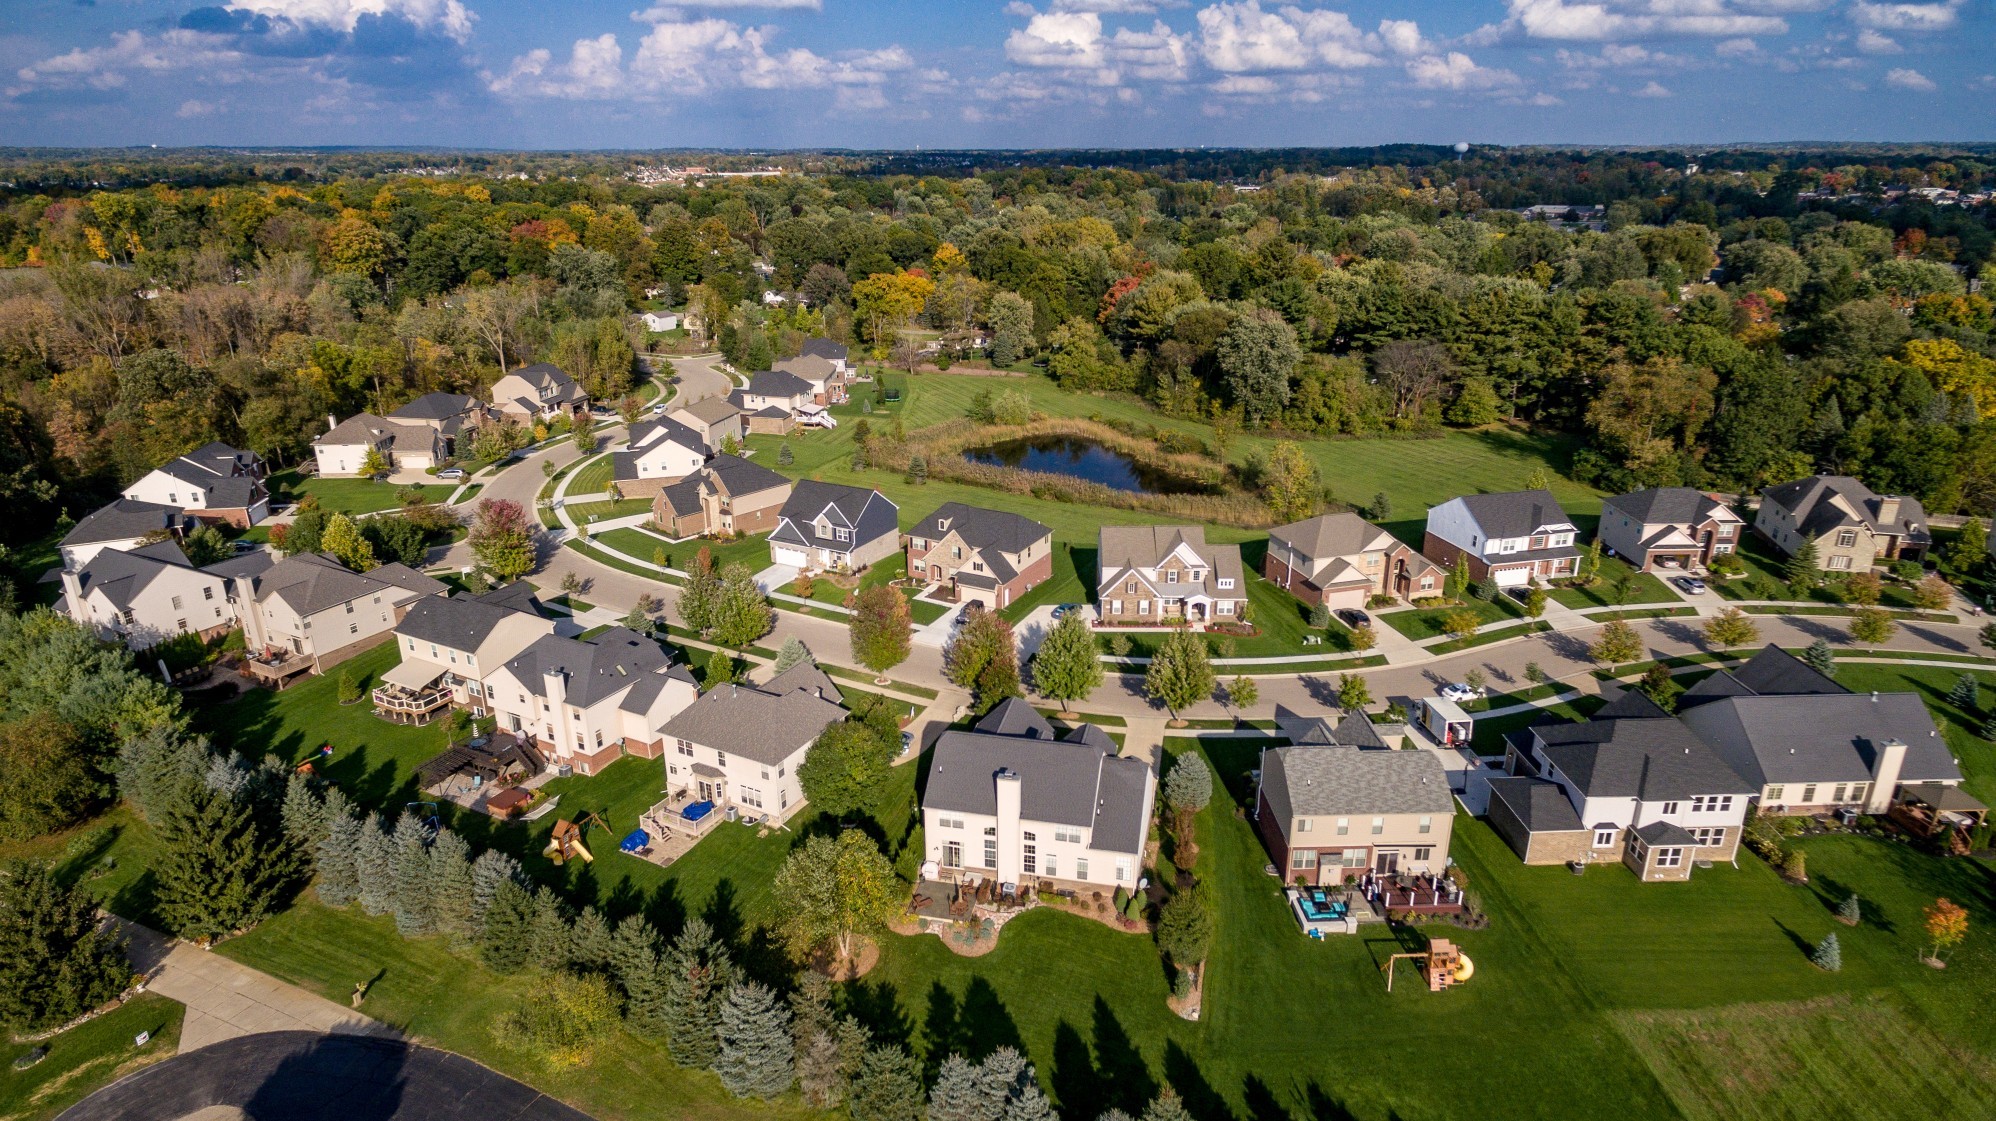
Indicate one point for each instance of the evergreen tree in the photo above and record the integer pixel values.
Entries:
(1031, 1104)
(1486, 589)
(792, 652)
(1001, 1077)
(827, 1048)
(1189, 785)
(589, 941)
(784, 456)
(216, 873)
(755, 1057)
(159, 767)
(376, 867)
(698, 971)
(504, 940)
(411, 893)
(1850, 911)
(1829, 955)
(489, 872)
(1820, 658)
(886, 1087)
(550, 933)
(303, 813)
(958, 1093)
(451, 900)
(1965, 694)
(634, 961)
(1068, 666)
(1185, 928)
(1167, 1106)
(55, 963)
(338, 857)
(1802, 571)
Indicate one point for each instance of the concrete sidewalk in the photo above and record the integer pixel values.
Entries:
(226, 999)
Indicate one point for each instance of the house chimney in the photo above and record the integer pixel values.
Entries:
(554, 685)
(1888, 509)
(1008, 825)
(1885, 768)
(331, 422)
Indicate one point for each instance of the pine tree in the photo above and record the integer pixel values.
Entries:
(489, 872)
(304, 812)
(634, 961)
(792, 652)
(1802, 571)
(215, 874)
(157, 768)
(1188, 786)
(826, 1048)
(886, 1087)
(958, 1094)
(376, 867)
(589, 941)
(1966, 693)
(410, 896)
(1030, 1105)
(784, 456)
(1001, 1077)
(451, 899)
(504, 940)
(1167, 1106)
(1829, 956)
(338, 857)
(1850, 911)
(1820, 658)
(755, 1058)
(698, 971)
(55, 962)
(550, 933)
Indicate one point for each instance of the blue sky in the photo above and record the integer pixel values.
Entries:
(984, 73)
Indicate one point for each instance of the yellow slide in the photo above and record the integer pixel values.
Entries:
(1464, 968)
(577, 848)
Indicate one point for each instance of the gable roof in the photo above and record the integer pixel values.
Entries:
(778, 383)
(1821, 503)
(1355, 729)
(807, 676)
(1649, 758)
(436, 406)
(1823, 737)
(120, 577)
(867, 513)
(1540, 806)
(808, 366)
(1331, 535)
(1515, 513)
(736, 476)
(1771, 672)
(593, 669)
(462, 622)
(123, 519)
(744, 720)
(711, 410)
(647, 433)
(1314, 780)
(312, 582)
(1076, 781)
(1014, 717)
(1121, 548)
(825, 348)
(980, 528)
(1672, 505)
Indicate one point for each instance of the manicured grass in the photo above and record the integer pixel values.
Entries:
(1426, 622)
(110, 856)
(87, 1057)
(1643, 613)
(1485, 638)
(593, 477)
(1063, 586)
(641, 545)
(583, 513)
(603, 557)
(346, 496)
(1642, 587)
(1844, 612)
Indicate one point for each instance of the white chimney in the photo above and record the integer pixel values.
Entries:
(1008, 825)
(1885, 768)
(331, 423)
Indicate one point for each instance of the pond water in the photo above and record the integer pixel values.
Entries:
(1083, 459)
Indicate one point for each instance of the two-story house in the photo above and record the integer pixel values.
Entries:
(1167, 574)
(838, 354)
(212, 483)
(309, 612)
(982, 556)
(1668, 527)
(123, 524)
(450, 645)
(661, 452)
(539, 392)
(741, 745)
(1342, 560)
(586, 702)
(1807, 745)
(451, 414)
(828, 381)
(728, 497)
(1852, 526)
(342, 449)
(1512, 536)
(1631, 784)
(146, 596)
(772, 401)
(831, 526)
(716, 419)
(1331, 812)
(1011, 802)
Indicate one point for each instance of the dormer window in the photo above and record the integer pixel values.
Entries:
(1171, 577)
(1198, 576)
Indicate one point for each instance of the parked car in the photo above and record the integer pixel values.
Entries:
(1690, 585)
(242, 547)
(1458, 692)
(1521, 593)
(907, 742)
(1354, 618)
(451, 473)
(1064, 608)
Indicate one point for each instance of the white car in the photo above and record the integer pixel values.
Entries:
(1458, 692)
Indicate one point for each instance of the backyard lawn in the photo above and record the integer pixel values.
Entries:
(87, 1057)
(346, 496)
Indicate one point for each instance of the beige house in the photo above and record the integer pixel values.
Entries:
(1852, 526)
(827, 378)
(982, 556)
(728, 497)
(341, 451)
(1668, 527)
(212, 483)
(829, 526)
(146, 596)
(1165, 574)
(1331, 812)
(660, 452)
(449, 646)
(741, 745)
(586, 702)
(538, 392)
(716, 419)
(309, 612)
(1342, 560)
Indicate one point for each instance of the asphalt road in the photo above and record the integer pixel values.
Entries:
(305, 1076)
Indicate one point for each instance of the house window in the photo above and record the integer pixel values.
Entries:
(1122, 869)
(1226, 582)
(751, 796)
(1710, 837)
(1115, 607)
(349, 607)
(1774, 793)
(1355, 858)
(1171, 577)
(1302, 825)
(957, 552)
(1130, 588)
(1669, 858)
(1226, 607)
(176, 603)
(1198, 576)
(1378, 826)
(1847, 539)
(952, 854)
(1067, 836)
(991, 852)
(920, 567)
(1604, 838)
(1303, 858)
(842, 534)
(1859, 791)
(1051, 866)
(1029, 860)
(1809, 794)
(1344, 826)
(721, 757)
(353, 628)
(1839, 563)
(1837, 794)
(1427, 825)
(1423, 855)
(1671, 807)
(684, 748)
(181, 624)
(1143, 607)
(1080, 867)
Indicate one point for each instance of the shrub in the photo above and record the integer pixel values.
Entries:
(560, 1021)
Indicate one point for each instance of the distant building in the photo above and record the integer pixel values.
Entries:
(212, 483)
(539, 392)
(1668, 527)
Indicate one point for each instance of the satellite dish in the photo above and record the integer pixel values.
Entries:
(1461, 146)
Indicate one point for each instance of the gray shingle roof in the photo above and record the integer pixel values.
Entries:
(808, 366)
(1355, 729)
(743, 720)
(120, 577)
(459, 622)
(1664, 833)
(646, 433)
(1823, 737)
(1327, 535)
(826, 348)
(807, 676)
(594, 669)
(1124, 547)
(1541, 806)
(1061, 782)
(1771, 672)
(712, 410)
(312, 582)
(1515, 513)
(778, 383)
(867, 513)
(1014, 717)
(436, 406)
(123, 519)
(1812, 502)
(1314, 781)
(1673, 505)
(981, 528)
(1653, 759)
(737, 476)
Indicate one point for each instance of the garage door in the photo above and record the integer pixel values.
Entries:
(783, 554)
(1514, 575)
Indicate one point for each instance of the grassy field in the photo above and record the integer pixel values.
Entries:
(1642, 587)
(87, 1057)
(347, 496)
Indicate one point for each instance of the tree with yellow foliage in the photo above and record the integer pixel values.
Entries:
(1955, 370)
(886, 300)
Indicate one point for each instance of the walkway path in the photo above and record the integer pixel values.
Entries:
(226, 999)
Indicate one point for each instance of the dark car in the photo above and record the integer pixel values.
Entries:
(1353, 617)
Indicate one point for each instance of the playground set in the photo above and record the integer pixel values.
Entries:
(1442, 964)
(566, 842)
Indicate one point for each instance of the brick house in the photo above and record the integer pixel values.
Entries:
(1163, 574)
(1342, 560)
(1853, 526)
(1668, 527)
(728, 496)
(985, 556)
(1511, 536)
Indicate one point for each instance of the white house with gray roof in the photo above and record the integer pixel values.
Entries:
(660, 452)
(832, 526)
(309, 612)
(449, 646)
(585, 702)
(146, 596)
(1012, 802)
(212, 483)
(1157, 574)
(1514, 537)
(1330, 812)
(122, 524)
(741, 744)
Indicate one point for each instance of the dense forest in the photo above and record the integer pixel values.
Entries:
(1732, 319)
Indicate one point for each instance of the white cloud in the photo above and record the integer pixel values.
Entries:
(1600, 20)
(450, 16)
(1906, 17)
(1737, 48)
(192, 108)
(1652, 89)
(130, 52)
(1617, 56)
(1543, 100)
(1242, 38)
(1457, 71)
(1403, 37)
(1906, 79)
(1873, 42)
(666, 12)
(1110, 7)
(595, 69)
(1058, 41)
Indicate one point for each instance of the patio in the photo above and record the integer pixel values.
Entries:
(274, 667)
(484, 774)
(674, 826)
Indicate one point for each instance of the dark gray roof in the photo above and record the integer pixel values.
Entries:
(1541, 806)
(225, 472)
(744, 720)
(312, 582)
(1664, 833)
(825, 348)
(519, 594)
(1823, 737)
(1771, 672)
(999, 530)
(1515, 513)
(712, 410)
(778, 383)
(1653, 759)
(1666, 505)
(436, 406)
(645, 433)
(1632, 702)
(1812, 502)
(807, 676)
(1311, 781)
(594, 669)
(739, 477)
(547, 373)
(459, 622)
(867, 513)
(1354, 729)
(123, 519)
(1014, 717)
(120, 577)
(1063, 782)
(254, 563)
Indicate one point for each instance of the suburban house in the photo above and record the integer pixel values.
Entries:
(832, 526)
(451, 414)
(1513, 537)
(714, 418)
(838, 354)
(1331, 812)
(658, 322)
(741, 745)
(1807, 745)
(1167, 573)
(827, 378)
(772, 400)
(308, 612)
(1631, 784)
(145, 596)
(1668, 527)
(1853, 527)
(661, 452)
(1010, 802)
(585, 702)
(984, 556)
(1342, 560)
(212, 483)
(450, 645)
(342, 449)
(123, 524)
(538, 392)
(728, 496)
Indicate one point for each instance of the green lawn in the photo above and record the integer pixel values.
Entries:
(347, 496)
(1282, 620)
(87, 1057)
(583, 513)
(1642, 587)
(593, 477)
(1427, 622)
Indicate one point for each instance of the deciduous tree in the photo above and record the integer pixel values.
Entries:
(1068, 667)
(1181, 672)
(503, 539)
(882, 630)
(833, 892)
